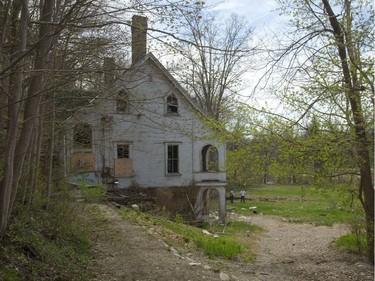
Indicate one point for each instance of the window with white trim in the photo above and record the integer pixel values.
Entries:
(173, 165)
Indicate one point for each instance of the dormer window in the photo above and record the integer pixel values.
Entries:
(122, 102)
(172, 105)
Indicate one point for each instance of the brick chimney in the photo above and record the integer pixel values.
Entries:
(109, 71)
(139, 38)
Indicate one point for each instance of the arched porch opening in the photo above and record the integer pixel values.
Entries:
(210, 204)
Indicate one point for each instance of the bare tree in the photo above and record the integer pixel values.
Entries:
(214, 60)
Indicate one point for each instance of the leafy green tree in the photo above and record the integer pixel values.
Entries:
(326, 69)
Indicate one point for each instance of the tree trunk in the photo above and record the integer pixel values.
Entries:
(366, 189)
(51, 146)
(16, 149)
(18, 37)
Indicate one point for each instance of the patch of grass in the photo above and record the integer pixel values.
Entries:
(228, 242)
(352, 243)
(317, 213)
(301, 204)
(92, 193)
(9, 273)
(282, 191)
(223, 246)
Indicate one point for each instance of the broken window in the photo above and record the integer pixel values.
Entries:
(172, 104)
(123, 151)
(172, 159)
(123, 162)
(210, 158)
(82, 136)
(122, 102)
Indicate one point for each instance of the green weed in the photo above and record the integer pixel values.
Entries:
(228, 242)
(92, 193)
(352, 243)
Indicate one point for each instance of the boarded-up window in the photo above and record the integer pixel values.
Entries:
(82, 162)
(122, 102)
(123, 167)
(172, 159)
(172, 104)
(82, 136)
(123, 163)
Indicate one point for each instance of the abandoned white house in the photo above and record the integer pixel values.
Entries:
(145, 131)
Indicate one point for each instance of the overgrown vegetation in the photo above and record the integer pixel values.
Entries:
(92, 193)
(48, 240)
(228, 241)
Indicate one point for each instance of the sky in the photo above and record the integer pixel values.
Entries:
(262, 15)
(259, 13)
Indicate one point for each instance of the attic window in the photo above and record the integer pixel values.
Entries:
(172, 104)
(122, 102)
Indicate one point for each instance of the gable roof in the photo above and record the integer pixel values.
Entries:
(133, 69)
(150, 57)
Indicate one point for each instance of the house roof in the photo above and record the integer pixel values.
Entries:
(177, 85)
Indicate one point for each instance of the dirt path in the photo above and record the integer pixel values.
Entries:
(288, 251)
(285, 252)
